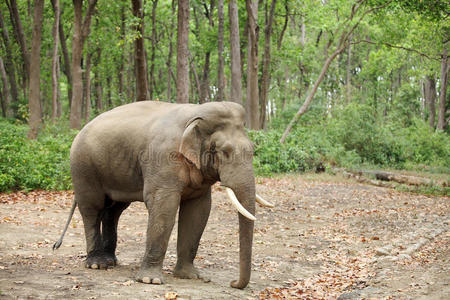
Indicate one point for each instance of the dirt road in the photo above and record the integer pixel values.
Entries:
(326, 238)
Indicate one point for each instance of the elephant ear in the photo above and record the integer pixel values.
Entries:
(191, 142)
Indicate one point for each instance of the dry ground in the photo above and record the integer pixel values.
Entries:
(326, 238)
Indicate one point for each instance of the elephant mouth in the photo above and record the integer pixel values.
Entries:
(235, 202)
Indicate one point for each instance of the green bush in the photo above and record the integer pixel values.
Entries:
(354, 136)
(40, 164)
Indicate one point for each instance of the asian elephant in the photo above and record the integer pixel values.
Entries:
(168, 156)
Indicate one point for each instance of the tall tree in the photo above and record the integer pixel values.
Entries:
(170, 74)
(87, 88)
(183, 52)
(152, 59)
(6, 98)
(430, 98)
(34, 101)
(81, 31)
(235, 53)
(344, 39)
(66, 59)
(55, 65)
(265, 76)
(252, 65)
(443, 90)
(140, 56)
(220, 46)
(9, 63)
(20, 36)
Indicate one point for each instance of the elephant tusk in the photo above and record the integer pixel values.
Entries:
(238, 205)
(263, 202)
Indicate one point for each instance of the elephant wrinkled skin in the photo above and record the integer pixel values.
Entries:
(168, 156)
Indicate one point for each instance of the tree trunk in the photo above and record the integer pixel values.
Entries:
(220, 71)
(122, 53)
(34, 102)
(285, 24)
(196, 80)
(66, 62)
(55, 60)
(252, 65)
(349, 74)
(183, 52)
(235, 54)
(87, 78)
(310, 97)
(80, 33)
(9, 65)
(141, 64)
(443, 91)
(98, 83)
(15, 17)
(6, 103)
(169, 56)
(265, 76)
(152, 59)
(430, 98)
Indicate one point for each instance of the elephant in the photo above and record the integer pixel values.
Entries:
(168, 156)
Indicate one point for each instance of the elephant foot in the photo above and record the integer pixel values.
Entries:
(150, 275)
(188, 272)
(101, 260)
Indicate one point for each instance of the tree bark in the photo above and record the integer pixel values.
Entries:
(430, 98)
(205, 90)
(169, 55)
(98, 83)
(87, 78)
(66, 61)
(81, 31)
(265, 76)
(18, 29)
(183, 52)
(285, 24)
(252, 65)
(152, 58)
(443, 91)
(349, 74)
(220, 46)
(34, 102)
(120, 75)
(310, 97)
(235, 54)
(9, 64)
(55, 60)
(141, 64)
(6, 102)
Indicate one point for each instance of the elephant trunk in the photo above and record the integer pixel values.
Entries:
(245, 193)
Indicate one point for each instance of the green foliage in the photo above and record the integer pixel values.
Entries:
(354, 136)
(40, 164)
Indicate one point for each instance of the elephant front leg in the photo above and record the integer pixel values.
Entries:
(192, 220)
(162, 207)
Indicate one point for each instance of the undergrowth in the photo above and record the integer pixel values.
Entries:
(353, 138)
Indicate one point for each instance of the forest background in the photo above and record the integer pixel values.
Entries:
(326, 84)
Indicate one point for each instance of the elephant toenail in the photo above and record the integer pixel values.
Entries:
(156, 281)
(146, 280)
(94, 266)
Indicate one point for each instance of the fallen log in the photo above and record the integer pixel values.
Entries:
(390, 176)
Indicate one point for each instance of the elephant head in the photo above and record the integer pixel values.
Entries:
(215, 142)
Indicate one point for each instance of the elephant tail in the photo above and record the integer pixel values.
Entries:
(59, 242)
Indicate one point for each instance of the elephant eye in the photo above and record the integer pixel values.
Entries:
(226, 154)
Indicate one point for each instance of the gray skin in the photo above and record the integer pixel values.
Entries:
(167, 156)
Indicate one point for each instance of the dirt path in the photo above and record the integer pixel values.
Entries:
(324, 239)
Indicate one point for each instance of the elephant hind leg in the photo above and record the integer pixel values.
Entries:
(110, 220)
(193, 217)
(92, 209)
